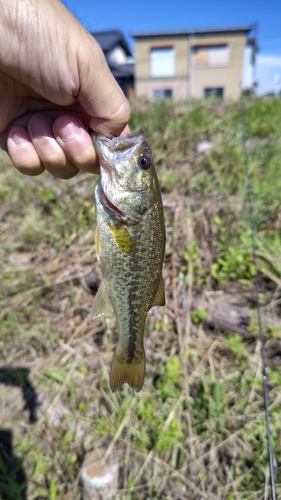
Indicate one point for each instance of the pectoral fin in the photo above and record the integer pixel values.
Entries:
(159, 299)
(123, 240)
(101, 306)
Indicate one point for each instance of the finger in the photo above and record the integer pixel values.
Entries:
(49, 151)
(22, 152)
(74, 139)
(53, 113)
(99, 94)
(113, 125)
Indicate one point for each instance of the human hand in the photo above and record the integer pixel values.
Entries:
(54, 84)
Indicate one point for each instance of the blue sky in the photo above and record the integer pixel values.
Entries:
(157, 15)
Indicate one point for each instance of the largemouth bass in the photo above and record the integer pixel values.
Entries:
(130, 243)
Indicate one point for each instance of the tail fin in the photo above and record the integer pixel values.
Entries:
(130, 373)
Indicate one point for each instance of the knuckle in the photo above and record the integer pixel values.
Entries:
(65, 172)
(122, 113)
(53, 159)
(31, 171)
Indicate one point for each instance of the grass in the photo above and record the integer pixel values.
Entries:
(197, 429)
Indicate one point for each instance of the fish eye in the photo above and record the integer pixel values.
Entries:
(144, 162)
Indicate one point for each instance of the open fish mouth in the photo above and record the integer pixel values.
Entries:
(121, 142)
(110, 149)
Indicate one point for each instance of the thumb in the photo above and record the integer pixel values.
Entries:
(100, 94)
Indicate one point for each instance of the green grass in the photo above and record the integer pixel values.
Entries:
(197, 429)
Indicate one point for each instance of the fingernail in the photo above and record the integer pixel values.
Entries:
(18, 140)
(67, 130)
(40, 126)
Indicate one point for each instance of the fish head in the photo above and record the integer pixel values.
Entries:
(128, 179)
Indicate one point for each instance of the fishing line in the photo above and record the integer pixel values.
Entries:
(258, 304)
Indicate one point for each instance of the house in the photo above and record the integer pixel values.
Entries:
(194, 64)
(119, 58)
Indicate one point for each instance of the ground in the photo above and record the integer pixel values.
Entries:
(197, 429)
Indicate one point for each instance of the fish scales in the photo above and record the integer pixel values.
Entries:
(130, 294)
(130, 241)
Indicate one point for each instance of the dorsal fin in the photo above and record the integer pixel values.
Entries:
(159, 299)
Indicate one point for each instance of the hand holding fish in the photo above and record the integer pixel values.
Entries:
(130, 243)
(54, 85)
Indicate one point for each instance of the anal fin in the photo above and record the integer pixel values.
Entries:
(101, 306)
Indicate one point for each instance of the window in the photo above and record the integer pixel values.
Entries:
(213, 92)
(162, 61)
(162, 93)
(210, 56)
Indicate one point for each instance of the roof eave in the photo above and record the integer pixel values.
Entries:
(118, 34)
(152, 34)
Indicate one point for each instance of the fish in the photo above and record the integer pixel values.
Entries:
(130, 246)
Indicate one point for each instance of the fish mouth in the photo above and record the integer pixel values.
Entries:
(118, 143)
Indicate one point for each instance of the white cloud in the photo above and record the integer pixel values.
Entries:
(269, 60)
(268, 74)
